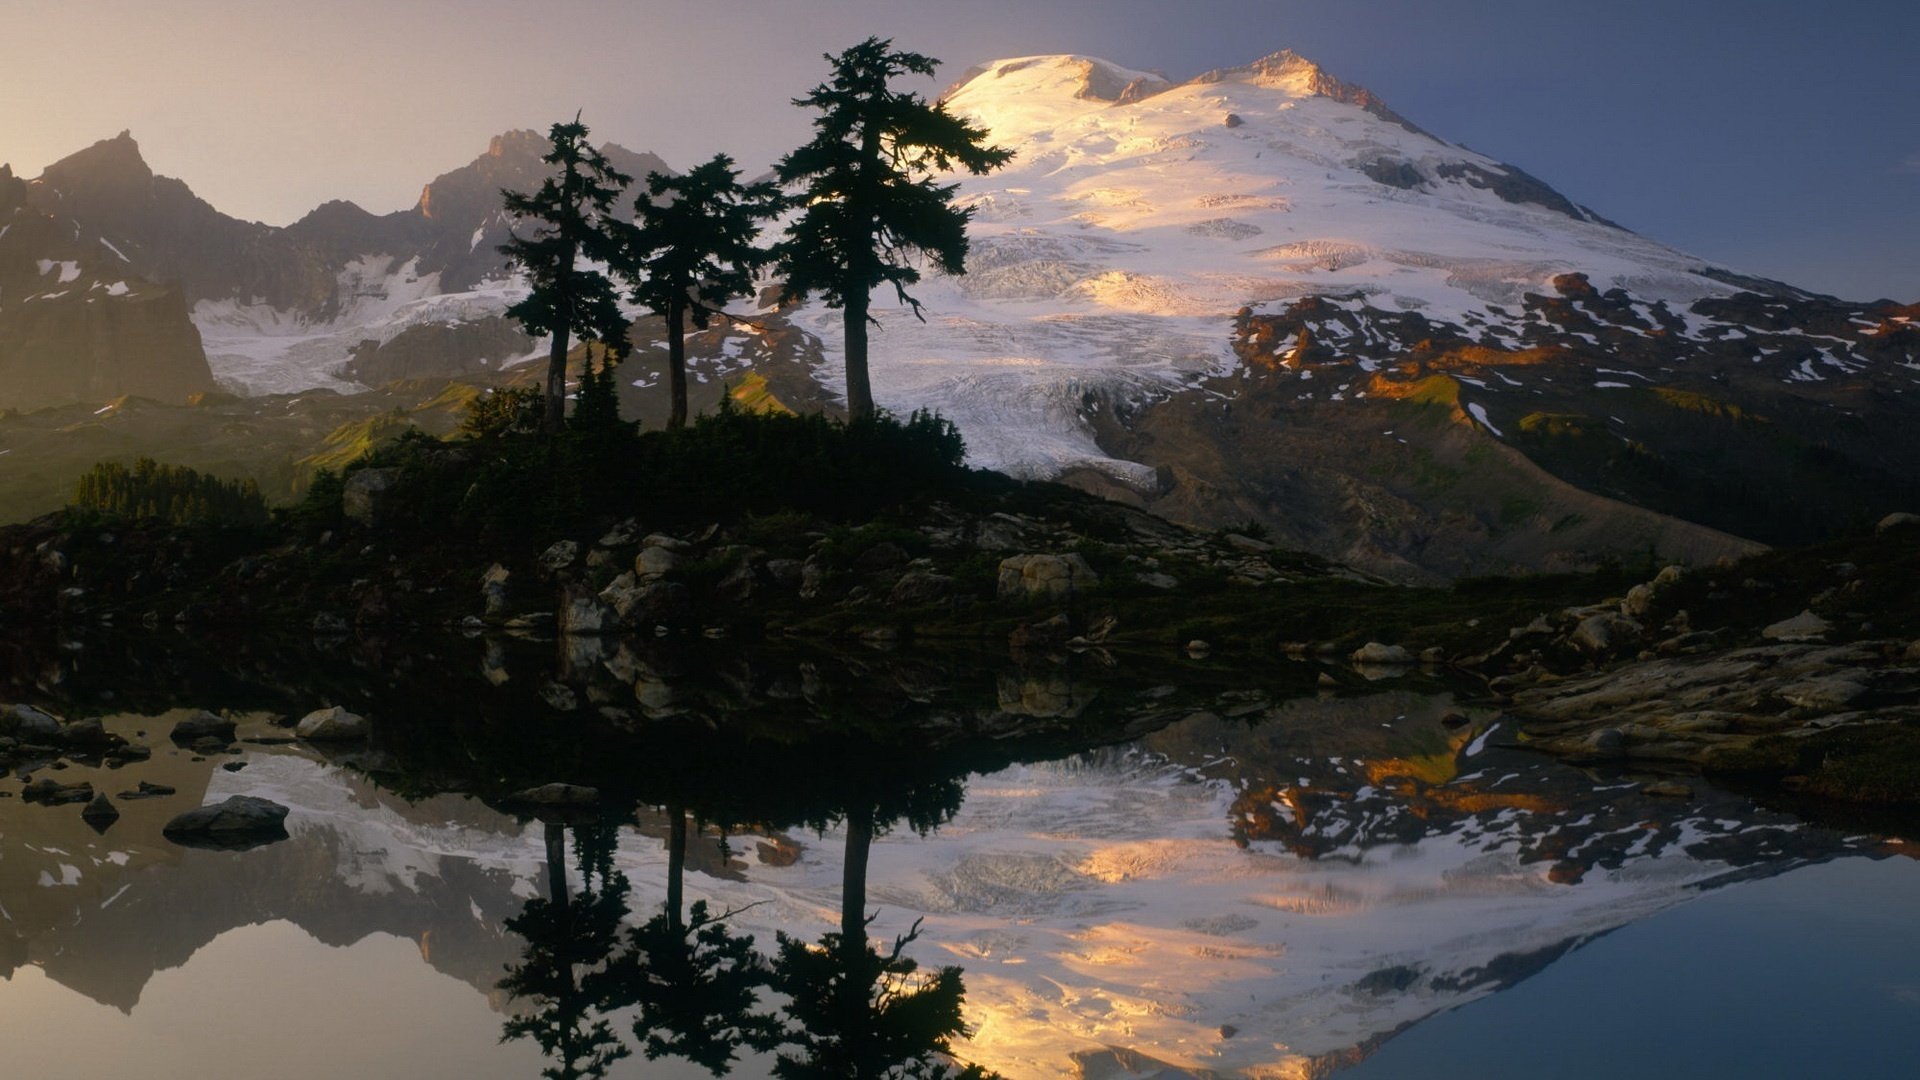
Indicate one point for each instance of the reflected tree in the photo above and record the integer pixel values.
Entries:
(565, 973)
(696, 983)
(854, 1011)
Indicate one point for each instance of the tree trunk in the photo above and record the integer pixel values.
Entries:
(557, 863)
(859, 389)
(676, 864)
(677, 364)
(853, 882)
(555, 418)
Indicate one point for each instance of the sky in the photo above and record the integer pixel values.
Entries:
(1772, 137)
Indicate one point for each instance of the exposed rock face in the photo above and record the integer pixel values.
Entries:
(79, 322)
(439, 350)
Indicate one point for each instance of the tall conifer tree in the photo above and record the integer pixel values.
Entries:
(870, 204)
(693, 250)
(573, 214)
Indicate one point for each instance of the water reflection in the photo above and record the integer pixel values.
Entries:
(1205, 872)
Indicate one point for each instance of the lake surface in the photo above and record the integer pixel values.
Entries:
(1137, 868)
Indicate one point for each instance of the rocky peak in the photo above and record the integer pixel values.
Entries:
(110, 165)
(13, 190)
(520, 142)
(1288, 71)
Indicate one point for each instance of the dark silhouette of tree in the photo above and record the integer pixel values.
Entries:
(693, 250)
(858, 1013)
(572, 211)
(697, 984)
(565, 972)
(869, 203)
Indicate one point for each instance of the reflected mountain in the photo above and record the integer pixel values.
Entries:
(1192, 870)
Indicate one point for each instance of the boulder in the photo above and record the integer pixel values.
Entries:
(202, 725)
(559, 556)
(656, 561)
(243, 821)
(54, 793)
(1373, 652)
(638, 604)
(1602, 635)
(1805, 626)
(1897, 521)
(1024, 576)
(88, 734)
(100, 813)
(28, 724)
(333, 724)
(366, 496)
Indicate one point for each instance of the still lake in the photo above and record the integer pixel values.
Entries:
(1139, 868)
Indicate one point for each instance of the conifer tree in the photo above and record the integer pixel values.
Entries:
(870, 204)
(572, 213)
(693, 251)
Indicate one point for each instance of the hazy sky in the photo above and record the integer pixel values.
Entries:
(1774, 136)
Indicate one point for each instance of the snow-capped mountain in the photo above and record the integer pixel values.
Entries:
(1256, 294)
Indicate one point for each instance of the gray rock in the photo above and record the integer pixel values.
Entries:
(1601, 635)
(1240, 542)
(243, 821)
(1828, 694)
(655, 561)
(88, 734)
(366, 496)
(1373, 652)
(28, 724)
(559, 556)
(1023, 576)
(202, 725)
(785, 573)
(54, 793)
(333, 724)
(1639, 601)
(327, 622)
(100, 813)
(1157, 580)
(1805, 626)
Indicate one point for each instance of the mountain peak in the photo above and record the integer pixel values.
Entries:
(1087, 78)
(114, 162)
(1293, 74)
(519, 142)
